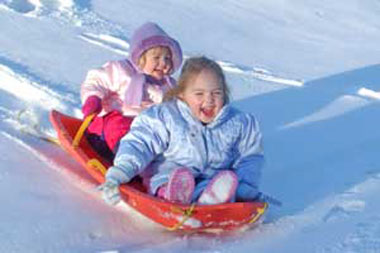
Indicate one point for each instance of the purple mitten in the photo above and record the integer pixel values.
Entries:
(92, 105)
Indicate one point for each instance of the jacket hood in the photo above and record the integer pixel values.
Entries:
(151, 35)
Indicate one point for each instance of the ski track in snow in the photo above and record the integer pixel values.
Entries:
(258, 73)
(24, 88)
(108, 42)
(66, 167)
(72, 175)
(74, 13)
(30, 98)
(108, 36)
(121, 47)
(68, 11)
(26, 142)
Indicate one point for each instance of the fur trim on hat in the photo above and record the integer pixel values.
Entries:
(151, 35)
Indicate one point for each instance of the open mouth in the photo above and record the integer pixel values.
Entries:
(159, 72)
(208, 112)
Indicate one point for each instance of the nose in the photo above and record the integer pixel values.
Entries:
(162, 62)
(209, 98)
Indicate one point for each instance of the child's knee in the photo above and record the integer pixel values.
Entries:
(115, 127)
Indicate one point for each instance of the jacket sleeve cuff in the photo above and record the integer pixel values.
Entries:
(118, 175)
(246, 192)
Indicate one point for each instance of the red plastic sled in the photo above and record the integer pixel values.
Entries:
(173, 216)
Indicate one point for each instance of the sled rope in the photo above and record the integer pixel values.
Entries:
(50, 139)
(95, 163)
(36, 133)
(82, 128)
(187, 213)
(259, 213)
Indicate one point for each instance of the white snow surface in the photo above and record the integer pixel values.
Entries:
(309, 71)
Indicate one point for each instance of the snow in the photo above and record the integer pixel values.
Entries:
(309, 70)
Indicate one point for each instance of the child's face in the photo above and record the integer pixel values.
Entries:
(158, 62)
(204, 95)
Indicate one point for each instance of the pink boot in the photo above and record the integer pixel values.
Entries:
(221, 189)
(180, 186)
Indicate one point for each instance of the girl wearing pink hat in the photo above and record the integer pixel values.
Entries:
(120, 90)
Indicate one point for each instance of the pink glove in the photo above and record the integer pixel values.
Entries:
(92, 105)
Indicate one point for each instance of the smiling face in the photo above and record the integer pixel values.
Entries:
(204, 95)
(156, 62)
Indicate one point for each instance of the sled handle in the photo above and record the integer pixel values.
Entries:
(97, 165)
(187, 213)
(82, 128)
(260, 212)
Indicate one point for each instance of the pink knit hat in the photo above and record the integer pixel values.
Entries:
(152, 35)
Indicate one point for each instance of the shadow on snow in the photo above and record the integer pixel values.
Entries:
(310, 162)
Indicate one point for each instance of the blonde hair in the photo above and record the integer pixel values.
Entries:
(142, 60)
(193, 67)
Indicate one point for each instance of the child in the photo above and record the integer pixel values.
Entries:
(199, 147)
(122, 89)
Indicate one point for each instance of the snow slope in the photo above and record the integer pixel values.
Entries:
(309, 70)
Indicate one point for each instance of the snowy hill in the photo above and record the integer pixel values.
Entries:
(309, 70)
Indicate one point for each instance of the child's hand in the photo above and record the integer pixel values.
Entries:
(155, 93)
(110, 192)
(92, 105)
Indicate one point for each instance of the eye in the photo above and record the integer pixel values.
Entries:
(217, 93)
(168, 59)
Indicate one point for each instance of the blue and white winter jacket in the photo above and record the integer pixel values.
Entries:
(167, 136)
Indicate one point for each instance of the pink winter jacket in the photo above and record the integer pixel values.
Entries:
(121, 87)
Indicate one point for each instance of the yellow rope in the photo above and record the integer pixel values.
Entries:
(50, 139)
(186, 215)
(97, 165)
(82, 128)
(37, 133)
(260, 212)
(188, 212)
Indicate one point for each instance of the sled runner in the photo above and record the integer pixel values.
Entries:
(173, 216)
